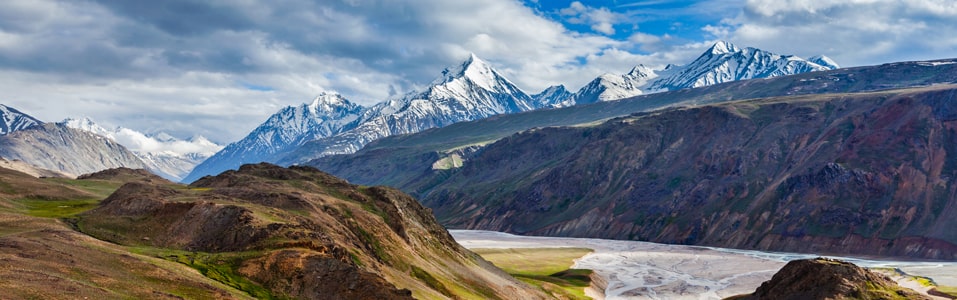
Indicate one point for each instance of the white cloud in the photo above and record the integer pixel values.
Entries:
(601, 19)
(219, 68)
(853, 32)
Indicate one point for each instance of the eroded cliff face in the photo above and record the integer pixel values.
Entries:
(300, 233)
(870, 173)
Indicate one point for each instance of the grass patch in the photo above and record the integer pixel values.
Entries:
(100, 188)
(431, 281)
(546, 268)
(56, 208)
(222, 267)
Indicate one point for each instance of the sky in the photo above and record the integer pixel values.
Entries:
(219, 68)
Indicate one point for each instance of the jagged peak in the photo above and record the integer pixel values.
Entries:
(555, 88)
(329, 101)
(86, 124)
(721, 47)
(640, 71)
(474, 69)
(824, 61)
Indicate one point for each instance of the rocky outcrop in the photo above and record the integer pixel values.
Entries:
(823, 278)
(301, 233)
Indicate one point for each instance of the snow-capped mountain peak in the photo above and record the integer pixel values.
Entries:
(640, 72)
(724, 62)
(329, 101)
(824, 61)
(12, 120)
(476, 71)
(87, 124)
(164, 154)
(553, 96)
(722, 47)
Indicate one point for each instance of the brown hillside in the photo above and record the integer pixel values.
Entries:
(41, 257)
(297, 232)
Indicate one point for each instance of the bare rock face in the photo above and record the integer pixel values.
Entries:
(823, 278)
(301, 233)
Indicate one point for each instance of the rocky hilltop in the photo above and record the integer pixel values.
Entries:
(823, 278)
(299, 233)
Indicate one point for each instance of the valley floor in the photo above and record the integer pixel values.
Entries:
(642, 270)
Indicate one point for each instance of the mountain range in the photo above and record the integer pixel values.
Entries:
(470, 91)
(853, 160)
(79, 146)
(57, 147)
(165, 155)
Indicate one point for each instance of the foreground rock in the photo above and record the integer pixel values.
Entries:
(300, 233)
(823, 278)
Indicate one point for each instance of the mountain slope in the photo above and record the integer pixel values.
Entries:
(407, 161)
(864, 174)
(168, 156)
(64, 149)
(12, 120)
(44, 258)
(300, 233)
(328, 114)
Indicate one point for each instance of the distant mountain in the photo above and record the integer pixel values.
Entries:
(12, 120)
(61, 148)
(326, 115)
(723, 62)
(167, 156)
(469, 91)
(613, 87)
(553, 96)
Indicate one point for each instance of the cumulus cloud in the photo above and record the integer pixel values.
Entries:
(219, 68)
(600, 19)
(853, 32)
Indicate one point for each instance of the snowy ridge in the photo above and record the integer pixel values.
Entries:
(332, 125)
(326, 115)
(553, 96)
(163, 154)
(12, 120)
(468, 91)
(723, 62)
(609, 87)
